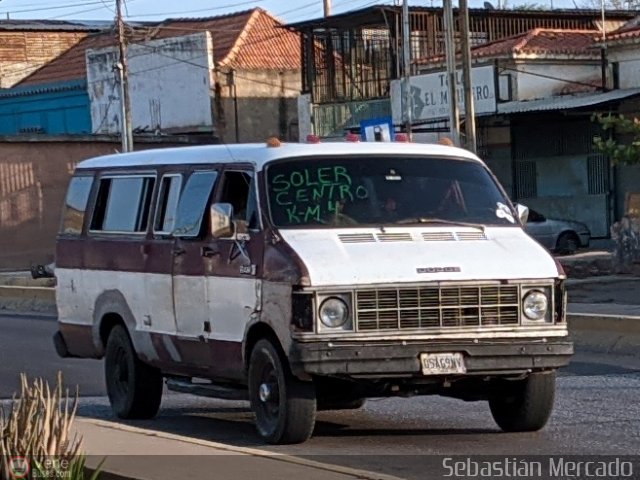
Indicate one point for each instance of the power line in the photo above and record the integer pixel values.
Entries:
(188, 62)
(57, 7)
(211, 9)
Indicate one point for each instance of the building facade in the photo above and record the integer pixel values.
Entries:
(231, 78)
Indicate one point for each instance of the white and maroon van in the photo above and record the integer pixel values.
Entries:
(307, 277)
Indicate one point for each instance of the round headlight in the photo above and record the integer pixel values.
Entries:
(334, 312)
(535, 305)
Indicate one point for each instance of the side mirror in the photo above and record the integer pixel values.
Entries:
(220, 220)
(523, 213)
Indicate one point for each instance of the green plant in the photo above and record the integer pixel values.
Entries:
(625, 151)
(37, 427)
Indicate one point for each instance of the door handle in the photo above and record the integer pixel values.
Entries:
(177, 251)
(209, 252)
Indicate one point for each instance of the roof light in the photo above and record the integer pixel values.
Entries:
(352, 137)
(311, 138)
(273, 142)
(402, 137)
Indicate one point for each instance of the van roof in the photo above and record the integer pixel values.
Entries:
(260, 154)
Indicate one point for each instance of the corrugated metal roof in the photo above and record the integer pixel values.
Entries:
(375, 15)
(568, 102)
(52, 25)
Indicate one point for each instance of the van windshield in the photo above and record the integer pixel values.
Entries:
(384, 191)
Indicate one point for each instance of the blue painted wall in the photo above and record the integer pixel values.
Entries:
(54, 109)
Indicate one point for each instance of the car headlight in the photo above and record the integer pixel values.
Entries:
(334, 312)
(535, 305)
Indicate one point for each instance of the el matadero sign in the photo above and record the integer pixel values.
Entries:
(430, 94)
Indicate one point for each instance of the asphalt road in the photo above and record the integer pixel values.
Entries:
(597, 412)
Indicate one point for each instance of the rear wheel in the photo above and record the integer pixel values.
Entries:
(567, 243)
(284, 406)
(134, 388)
(525, 405)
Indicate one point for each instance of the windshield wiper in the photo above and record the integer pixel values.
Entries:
(439, 221)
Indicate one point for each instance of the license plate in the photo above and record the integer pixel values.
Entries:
(442, 363)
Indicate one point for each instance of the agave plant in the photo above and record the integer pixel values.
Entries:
(37, 427)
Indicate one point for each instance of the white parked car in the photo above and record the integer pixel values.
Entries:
(561, 236)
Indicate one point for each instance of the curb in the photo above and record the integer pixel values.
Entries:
(28, 299)
(609, 334)
(255, 452)
(606, 323)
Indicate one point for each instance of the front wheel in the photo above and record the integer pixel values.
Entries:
(525, 405)
(134, 388)
(285, 407)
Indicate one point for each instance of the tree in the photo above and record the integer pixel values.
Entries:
(609, 4)
(625, 151)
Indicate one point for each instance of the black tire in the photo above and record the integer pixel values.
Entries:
(525, 405)
(134, 388)
(568, 243)
(284, 406)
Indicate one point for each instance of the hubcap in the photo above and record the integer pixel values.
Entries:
(264, 392)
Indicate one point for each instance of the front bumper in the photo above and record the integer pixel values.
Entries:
(391, 359)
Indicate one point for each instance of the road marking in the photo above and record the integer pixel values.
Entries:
(353, 472)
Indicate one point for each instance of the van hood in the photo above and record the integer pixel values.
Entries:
(370, 256)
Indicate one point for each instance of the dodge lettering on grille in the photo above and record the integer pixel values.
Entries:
(438, 269)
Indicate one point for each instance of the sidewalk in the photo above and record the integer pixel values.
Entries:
(135, 453)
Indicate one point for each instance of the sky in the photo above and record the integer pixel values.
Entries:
(289, 10)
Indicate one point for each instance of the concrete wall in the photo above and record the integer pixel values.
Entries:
(267, 104)
(628, 59)
(589, 209)
(56, 110)
(532, 82)
(170, 84)
(23, 52)
(34, 173)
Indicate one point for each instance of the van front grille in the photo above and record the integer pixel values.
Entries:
(437, 307)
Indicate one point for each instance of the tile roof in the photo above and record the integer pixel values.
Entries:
(252, 40)
(628, 32)
(538, 42)
(541, 41)
(71, 65)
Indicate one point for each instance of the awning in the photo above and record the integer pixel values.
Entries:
(567, 102)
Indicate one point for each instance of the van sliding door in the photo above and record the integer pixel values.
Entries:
(189, 285)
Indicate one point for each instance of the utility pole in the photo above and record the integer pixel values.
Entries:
(469, 106)
(327, 8)
(407, 106)
(126, 132)
(603, 48)
(450, 47)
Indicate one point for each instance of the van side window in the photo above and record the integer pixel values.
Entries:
(123, 204)
(238, 190)
(76, 204)
(193, 203)
(167, 205)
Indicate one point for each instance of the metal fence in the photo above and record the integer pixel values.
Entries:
(332, 120)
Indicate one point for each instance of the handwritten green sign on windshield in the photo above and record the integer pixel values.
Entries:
(311, 194)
